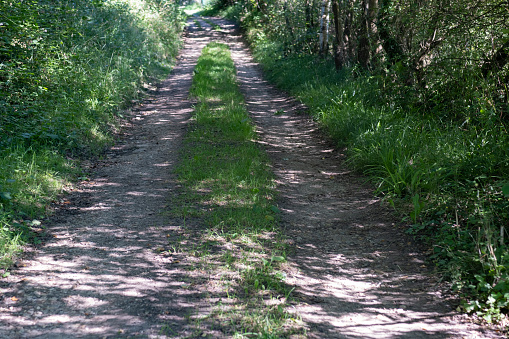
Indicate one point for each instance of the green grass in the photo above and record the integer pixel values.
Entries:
(68, 69)
(225, 164)
(228, 189)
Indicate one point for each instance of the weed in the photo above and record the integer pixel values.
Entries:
(167, 330)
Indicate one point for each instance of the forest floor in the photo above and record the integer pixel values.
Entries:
(100, 273)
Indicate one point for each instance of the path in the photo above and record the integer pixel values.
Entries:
(102, 276)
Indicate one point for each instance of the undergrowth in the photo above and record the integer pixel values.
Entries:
(67, 70)
(228, 187)
(447, 177)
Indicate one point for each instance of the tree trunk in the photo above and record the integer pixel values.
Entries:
(372, 14)
(288, 42)
(309, 20)
(498, 61)
(373, 29)
(392, 47)
(324, 28)
(313, 8)
(349, 48)
(363, 49)
(338, 38)
(262, 6)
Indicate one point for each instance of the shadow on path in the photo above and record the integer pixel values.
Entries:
(106, 271)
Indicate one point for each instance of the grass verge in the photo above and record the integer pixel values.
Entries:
(447, 179)
(228, 190)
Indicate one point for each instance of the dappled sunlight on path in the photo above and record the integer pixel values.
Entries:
(107, 270)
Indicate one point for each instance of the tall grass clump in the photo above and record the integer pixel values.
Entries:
(442, 165)
(67, 69)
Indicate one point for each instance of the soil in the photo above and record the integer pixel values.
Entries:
(101, 274)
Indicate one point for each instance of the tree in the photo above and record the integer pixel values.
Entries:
(324, 28)
(429, 51)
(338, 37)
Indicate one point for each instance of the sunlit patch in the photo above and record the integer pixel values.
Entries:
(166, 164)
(81, 302)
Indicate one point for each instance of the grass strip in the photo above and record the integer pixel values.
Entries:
(228, 189)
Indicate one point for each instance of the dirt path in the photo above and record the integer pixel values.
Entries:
(101, 275)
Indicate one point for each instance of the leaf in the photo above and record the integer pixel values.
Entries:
(505, 190)
(278, 258)
(491, 300)
(275, 209)
(469, 307)
(5, 196)
(52, 136)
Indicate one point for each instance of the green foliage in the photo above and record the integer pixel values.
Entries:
(263, 277)
(67, 66)
(67, 69)
(448, 59)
